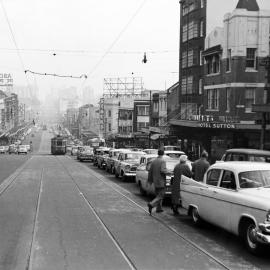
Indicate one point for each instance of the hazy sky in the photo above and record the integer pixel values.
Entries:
(82, 32)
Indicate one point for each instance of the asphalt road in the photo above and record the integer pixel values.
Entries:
(57, 213)
(10, 163)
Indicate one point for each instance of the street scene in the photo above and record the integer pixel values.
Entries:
(135, 134)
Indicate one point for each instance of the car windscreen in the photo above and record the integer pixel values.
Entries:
(132, 156)
(170, 164)
(254, 179)
(259, 158)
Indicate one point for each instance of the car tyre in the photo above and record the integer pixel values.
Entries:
(142, 191)
(250, 239)
(195, 216)
(116, 174)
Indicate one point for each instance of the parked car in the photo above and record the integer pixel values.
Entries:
(174, 153)
(97, 152)
(86, 154)
(150, 151)
(142, 175)
(245, 154)
(102, 158)
(127, 164)
(2, 149)
(22, 149)
(112, 158)
(171, 148)
(234, 196)
(79, 149)
(12, 149)
(28, 147)
(74, 150)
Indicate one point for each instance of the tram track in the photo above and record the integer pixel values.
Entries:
(118, 189)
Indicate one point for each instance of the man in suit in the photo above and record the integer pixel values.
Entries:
(157, 175)
(200, 166)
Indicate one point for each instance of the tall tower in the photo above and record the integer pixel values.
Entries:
(192, 37)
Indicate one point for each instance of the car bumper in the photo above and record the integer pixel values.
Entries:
(263, 234)
(130, 174)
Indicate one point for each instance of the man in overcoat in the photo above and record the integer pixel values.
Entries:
(157, 175)
(200, 166)
(180, 169)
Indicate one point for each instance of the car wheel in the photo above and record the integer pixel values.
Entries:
(195, 216)
(112, 170)
(116, 174)
(250, 238)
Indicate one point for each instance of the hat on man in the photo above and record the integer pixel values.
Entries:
(183, 158)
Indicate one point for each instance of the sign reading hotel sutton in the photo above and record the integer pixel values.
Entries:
(211, 121)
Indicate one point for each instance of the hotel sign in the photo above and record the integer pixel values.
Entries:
(217, 125)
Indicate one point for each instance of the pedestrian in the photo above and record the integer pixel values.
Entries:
(200, 166)
(180, 169)
(157, 175)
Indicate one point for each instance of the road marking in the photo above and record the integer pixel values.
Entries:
(8, 181)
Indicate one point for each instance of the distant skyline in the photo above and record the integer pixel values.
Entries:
(101, 38)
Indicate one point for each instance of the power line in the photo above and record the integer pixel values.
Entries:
(55, 51)
(57, 75)
(15, 43)
(115, 40)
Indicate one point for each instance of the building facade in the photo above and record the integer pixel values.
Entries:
(233, 81)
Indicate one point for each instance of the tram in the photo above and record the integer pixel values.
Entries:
(58, 145)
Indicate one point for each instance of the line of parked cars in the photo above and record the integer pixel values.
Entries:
(234, 194)
(15, 149)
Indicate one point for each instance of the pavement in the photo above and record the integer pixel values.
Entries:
(58, 214)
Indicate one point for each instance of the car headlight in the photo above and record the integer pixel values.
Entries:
(268, 216)
(127, 168)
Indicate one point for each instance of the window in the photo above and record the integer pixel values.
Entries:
(143, 110)
(200, 87)
(229, 60)
(201, 58)
(213, 177)
(213, 99)
(184, 59)
(228, 180)
(216, 64)
(110, 127)
(228, 99)
(190, 58)
(155, 106)
(192, 30)
(187, 85)
(202, 3)
(184, 35)
(249, 99)
(141, 125)
(201, 28)
(251, 58)
(109, 113)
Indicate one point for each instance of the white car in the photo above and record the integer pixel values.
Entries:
(2, 149)
(22, 149)
(142, 174)
(127, 163)
(151, 151)
(234, 196)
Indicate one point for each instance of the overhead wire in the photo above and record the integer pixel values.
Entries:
(114, 41)
(15, 43)
(56, 75)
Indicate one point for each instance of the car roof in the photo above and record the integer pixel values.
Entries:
(174, 152)
(133, 152)
(248, 151)
(240, 166)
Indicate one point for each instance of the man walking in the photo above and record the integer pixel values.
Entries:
(200, 166)
(180, 169)
(157, 175)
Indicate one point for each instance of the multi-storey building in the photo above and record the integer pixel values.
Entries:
(233, 81)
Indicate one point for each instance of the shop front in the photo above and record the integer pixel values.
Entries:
(216, 136)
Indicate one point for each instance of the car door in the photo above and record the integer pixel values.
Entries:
(207, 204)
(225, 196)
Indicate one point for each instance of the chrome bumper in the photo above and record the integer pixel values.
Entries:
(263, 234)
(130, 174)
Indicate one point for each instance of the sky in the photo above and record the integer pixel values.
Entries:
(98, 38)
